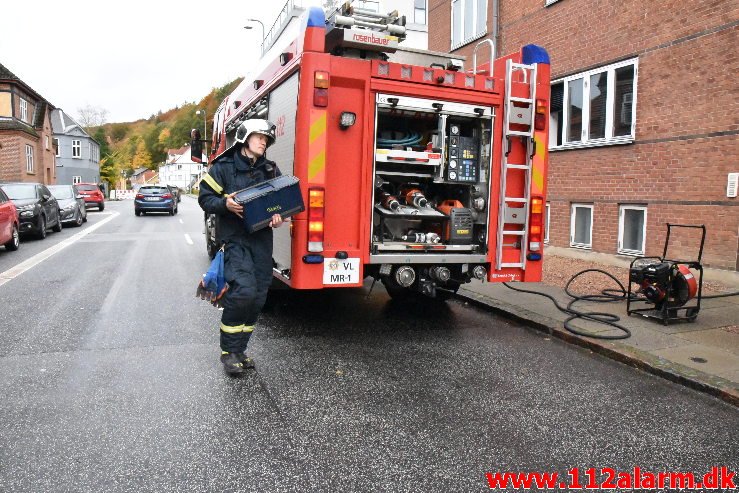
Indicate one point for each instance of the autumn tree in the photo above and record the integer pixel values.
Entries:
(142, 158)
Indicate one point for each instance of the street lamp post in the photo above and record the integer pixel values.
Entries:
(260, 23)
(205, 130)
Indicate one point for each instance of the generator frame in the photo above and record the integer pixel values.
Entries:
(665, 313)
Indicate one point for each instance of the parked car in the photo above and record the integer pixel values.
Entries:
(37, 207)
(92, 195)
(71, 204)
(9, 224)
(175, 193)
(154, 198)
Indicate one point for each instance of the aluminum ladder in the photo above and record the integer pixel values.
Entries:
(520, 112)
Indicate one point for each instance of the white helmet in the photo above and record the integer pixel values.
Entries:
(255, 126)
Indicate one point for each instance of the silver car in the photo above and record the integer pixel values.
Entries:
(71, 204)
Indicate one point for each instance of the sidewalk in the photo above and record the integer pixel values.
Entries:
(703, 354)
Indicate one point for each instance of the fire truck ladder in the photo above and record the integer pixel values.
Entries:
(514, 210)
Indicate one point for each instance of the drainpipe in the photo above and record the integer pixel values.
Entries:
(495, 25)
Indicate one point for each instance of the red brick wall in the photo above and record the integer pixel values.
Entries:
(10, 156)
(686, 124)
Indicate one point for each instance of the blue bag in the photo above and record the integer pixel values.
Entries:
(213, 285)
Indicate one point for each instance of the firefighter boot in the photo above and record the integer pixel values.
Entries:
(245, 360)
(233, 363)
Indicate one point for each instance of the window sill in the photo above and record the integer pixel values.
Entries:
(468, 41)
(630, 253)
(581, 247)
(593, 143)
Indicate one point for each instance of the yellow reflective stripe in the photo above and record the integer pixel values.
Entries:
(248, 328)
(232, 329)
(213, 184)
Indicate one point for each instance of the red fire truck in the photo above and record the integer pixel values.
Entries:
(414, 170)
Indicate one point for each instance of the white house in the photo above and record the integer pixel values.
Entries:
(180, 171)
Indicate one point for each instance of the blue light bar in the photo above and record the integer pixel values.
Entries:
(534, 54)
(533, 256)
(313, 259)
(316, 17)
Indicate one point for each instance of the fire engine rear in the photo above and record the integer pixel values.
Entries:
(414, 170)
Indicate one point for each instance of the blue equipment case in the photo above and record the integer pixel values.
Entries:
(279, 195)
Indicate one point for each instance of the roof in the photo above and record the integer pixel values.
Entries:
(62, 123)
(13, 124)
(7, 74)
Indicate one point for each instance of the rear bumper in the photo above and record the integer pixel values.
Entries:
(161, 206)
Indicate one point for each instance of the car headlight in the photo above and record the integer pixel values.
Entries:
(69, 207)
(29, 207)
(26, 214)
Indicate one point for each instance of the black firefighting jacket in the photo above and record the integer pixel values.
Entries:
(230, 173)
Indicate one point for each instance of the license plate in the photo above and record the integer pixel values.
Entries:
(341, 271)
(152, 199)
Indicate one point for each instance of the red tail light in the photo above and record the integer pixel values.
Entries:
(167, 196)
(139, 195)
(315, 219)
(536, 222)
(320, 97)
(540, 118)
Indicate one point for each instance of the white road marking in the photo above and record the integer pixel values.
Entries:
(188, 239)
(182, 222)
(19, 269)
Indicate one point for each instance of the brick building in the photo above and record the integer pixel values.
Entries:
(644, 103)
(27, 150)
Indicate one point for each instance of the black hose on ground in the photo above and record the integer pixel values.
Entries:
(606, 296)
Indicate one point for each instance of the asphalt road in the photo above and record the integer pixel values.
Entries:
(110, 381)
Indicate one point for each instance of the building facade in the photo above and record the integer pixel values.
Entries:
(77, 154)
(180, 171)
(26, 144)
(643, 128)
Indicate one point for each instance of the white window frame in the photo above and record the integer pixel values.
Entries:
(58, 148)
(77, 149)
(29, 158)
(475, 22)
(573, 244)
(24, 109)
(46, 141)
(423, 9)
(76, 180)
(371, 5)
(621, 223)
(547, 217)
(609, 138)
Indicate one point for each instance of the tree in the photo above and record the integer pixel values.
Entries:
(92, 116)
(330, 5)
(142, 158)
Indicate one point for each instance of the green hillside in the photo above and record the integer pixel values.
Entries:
(144, 143)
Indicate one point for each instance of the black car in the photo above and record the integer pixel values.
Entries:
(71, 204)
(175, 192)
(37, 208)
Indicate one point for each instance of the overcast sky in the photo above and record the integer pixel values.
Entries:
(134, 57)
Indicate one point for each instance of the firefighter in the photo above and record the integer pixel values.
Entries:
(248, 256)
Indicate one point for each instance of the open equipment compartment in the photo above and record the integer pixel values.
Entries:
(431, 176)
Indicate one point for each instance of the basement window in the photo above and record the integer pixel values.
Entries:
(581, 226)
(632, 229)
(594, 108)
